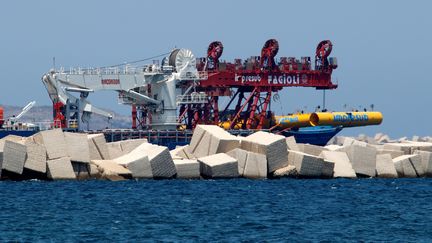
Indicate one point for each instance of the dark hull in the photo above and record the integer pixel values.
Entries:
(22, 133)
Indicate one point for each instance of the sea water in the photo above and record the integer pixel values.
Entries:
(217, 210)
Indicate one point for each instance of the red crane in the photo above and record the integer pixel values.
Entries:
(251, 83)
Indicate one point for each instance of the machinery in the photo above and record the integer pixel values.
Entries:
(184, 91)
(13, 126)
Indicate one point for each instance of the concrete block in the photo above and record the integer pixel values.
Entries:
(393, 153)
(351, 141)
(101, 146)
(404, 167)
(416, 162)
(328, 169)
(54, 142)
(182, 152)
(385, 168)
(14, 156)
(94, 153)
(307, 165)
(187, 168)
(256, 166)
(78, 147)
(273, 146)
(115, 149)
(161, 162)
(60, 169)
(333, 147)
(131, 144)
(363, 159)
(212, 140)
(111, 170)
(426, 161)
(422, 146)
(288, 171)
(292, 143)
(404, 147)
(81, 170)
(137, 162)
(218, 166)
(36, 156)
(94, 171)
(313, 149)
(241, 156)
(342, 165)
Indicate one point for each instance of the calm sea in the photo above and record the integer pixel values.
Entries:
(217, 210)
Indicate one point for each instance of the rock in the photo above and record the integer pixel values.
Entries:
(288, 171)
(219, 166)
(54, 142)
(14, 156)
(363, 159)
(99, 148)
(404, 167)
(307, 165)
(78, 147)
(291, 143)
(342, 165)
(187, 168)
(426, 160)
(36, 156)
(111, 170)
(385, 167)
(273, 146)
(60, 169)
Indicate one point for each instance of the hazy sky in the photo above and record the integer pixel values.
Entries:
(384, 48)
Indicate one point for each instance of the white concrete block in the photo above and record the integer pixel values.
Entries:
(426, 160)
(14, 156)
(393, 153)
(36, 156)
(60, 169)
(115, 149)
(307, 165)
(404, 167)
(54, 142)
(288, 171)
(313, 149)
(131, 144)
(101, 145)
(137, 162)
(187, 169)
(241, 156)
(78, 147)
(363, 159)
(212, 140)
(342, 165)
(385, 167)
(292, 143)
(273, 146)
(416, 162)
(256, 166)
(219, 166)
(111, 170)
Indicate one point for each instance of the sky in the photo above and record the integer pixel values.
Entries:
(383, 47)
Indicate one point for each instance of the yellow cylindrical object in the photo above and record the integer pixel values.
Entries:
(290, 121)
(346, 119)
(226, 125)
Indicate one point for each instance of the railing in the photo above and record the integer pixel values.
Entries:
(194, 98)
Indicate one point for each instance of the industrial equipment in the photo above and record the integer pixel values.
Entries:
(185, 91)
